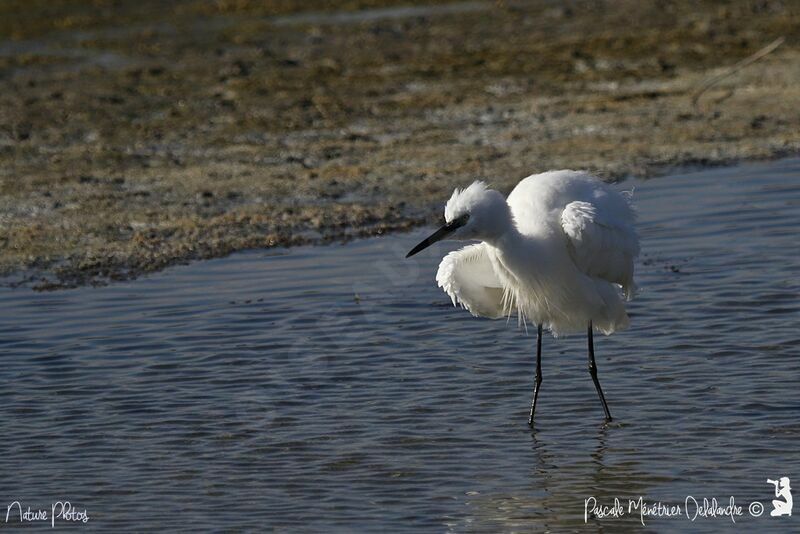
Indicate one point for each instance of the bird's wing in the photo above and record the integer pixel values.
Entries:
(600, 245)
(468, 277)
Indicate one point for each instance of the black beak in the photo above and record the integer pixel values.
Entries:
(439, 234)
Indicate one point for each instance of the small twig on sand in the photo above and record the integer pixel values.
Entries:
(735, 68)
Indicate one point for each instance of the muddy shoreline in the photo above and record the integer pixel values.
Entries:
(137, 139)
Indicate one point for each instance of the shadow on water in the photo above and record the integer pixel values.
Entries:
(335, 388)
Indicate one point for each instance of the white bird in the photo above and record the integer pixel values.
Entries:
(559, 253)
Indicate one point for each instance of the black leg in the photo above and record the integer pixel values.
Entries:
(593, 372)
(538, 380)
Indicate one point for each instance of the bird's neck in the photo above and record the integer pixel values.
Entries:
(516, 251)
(509, 238)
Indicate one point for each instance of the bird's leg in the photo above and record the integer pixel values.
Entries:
(593, 372)
(538, 380)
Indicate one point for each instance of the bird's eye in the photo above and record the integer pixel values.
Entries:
(458, 222)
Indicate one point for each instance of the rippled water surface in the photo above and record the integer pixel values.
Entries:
(336, 388)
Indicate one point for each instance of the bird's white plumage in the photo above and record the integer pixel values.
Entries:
(600, 246)
(560, 259)
(468, 278)
(465, 199)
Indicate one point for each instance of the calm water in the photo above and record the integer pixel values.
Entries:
(336, 388)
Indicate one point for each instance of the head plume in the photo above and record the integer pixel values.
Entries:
(464, 200)
(485, 212)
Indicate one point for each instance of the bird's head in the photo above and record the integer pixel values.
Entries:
(472, 213)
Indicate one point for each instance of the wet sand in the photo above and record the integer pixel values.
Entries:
(139, 137)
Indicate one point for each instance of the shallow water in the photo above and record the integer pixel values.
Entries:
(336, 388)
(378, 14)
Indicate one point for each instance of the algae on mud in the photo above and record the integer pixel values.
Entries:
(134, 136)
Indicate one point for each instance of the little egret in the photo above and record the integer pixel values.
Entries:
(558, 252)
